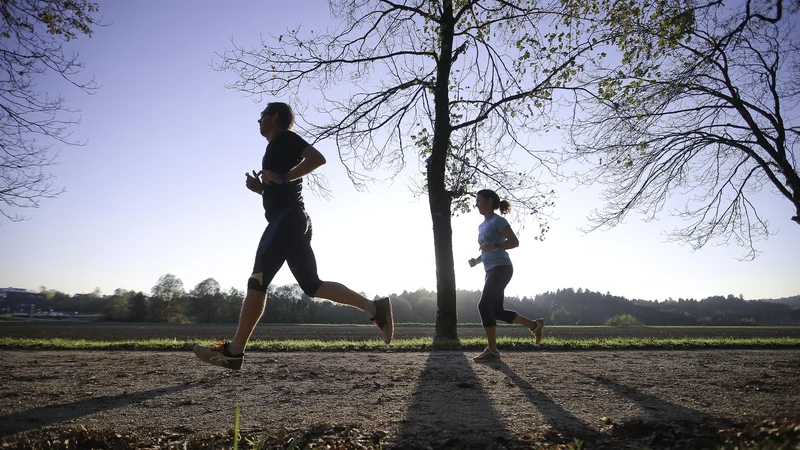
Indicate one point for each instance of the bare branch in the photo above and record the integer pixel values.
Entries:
(705, 113)
(31, 37)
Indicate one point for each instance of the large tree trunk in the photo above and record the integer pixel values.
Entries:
(446, 314)
(440, 200)
(793, 182)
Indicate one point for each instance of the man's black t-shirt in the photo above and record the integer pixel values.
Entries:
(283, 153)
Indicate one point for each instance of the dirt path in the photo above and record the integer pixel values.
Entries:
(407, 399)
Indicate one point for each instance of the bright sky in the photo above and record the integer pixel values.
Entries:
(159, 188)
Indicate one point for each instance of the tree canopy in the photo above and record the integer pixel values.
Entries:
(458, 85)
(704, 109)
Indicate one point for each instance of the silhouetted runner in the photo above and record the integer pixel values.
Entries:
(287, 237)
(495, 236)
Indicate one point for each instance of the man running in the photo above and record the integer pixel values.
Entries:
(287, 237)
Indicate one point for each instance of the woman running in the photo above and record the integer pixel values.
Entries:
(495, 236)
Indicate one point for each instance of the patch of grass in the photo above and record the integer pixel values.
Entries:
(576, 444)
(414, 345)
(236, 429)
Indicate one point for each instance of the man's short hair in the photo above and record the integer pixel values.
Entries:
(284, 111)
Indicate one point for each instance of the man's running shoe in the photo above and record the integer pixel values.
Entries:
(537, 330)
(383, 318)
(218, 355)
(488, 355)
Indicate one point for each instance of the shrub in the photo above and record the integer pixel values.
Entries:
(624, 320)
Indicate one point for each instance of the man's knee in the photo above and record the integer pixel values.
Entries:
(256, 282)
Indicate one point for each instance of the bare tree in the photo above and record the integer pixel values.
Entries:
(459, 84)
(31, 37)
(710, 110)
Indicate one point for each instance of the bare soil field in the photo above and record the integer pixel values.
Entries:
(436, 400)
(124, 331)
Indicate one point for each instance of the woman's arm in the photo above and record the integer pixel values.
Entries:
(510, 242)
(511, 239)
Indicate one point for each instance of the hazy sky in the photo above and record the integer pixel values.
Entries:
(159, 188)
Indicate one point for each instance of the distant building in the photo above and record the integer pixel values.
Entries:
(16, 299)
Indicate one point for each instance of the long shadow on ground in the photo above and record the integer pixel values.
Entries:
(563, 423)
(450, 408)
(666, 424)
(656, 408)
(54, 414)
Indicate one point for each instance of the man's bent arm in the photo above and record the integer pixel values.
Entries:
(312, 160)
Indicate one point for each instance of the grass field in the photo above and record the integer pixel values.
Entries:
(412, 337)
(420, 344)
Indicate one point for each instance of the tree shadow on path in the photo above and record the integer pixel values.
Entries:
(45, 416)
(450, 408)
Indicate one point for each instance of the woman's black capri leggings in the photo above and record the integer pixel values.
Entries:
(491, 304)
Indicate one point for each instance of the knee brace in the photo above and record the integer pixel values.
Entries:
(256, 282)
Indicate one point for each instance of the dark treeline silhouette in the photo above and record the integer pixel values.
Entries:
(207, 303)
(794, 302)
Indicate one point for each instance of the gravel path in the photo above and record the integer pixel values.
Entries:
(431, 398)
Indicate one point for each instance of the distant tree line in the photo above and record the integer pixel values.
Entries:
(584, 307)
(207, 302)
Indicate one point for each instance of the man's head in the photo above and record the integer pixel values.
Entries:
(276, 117)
